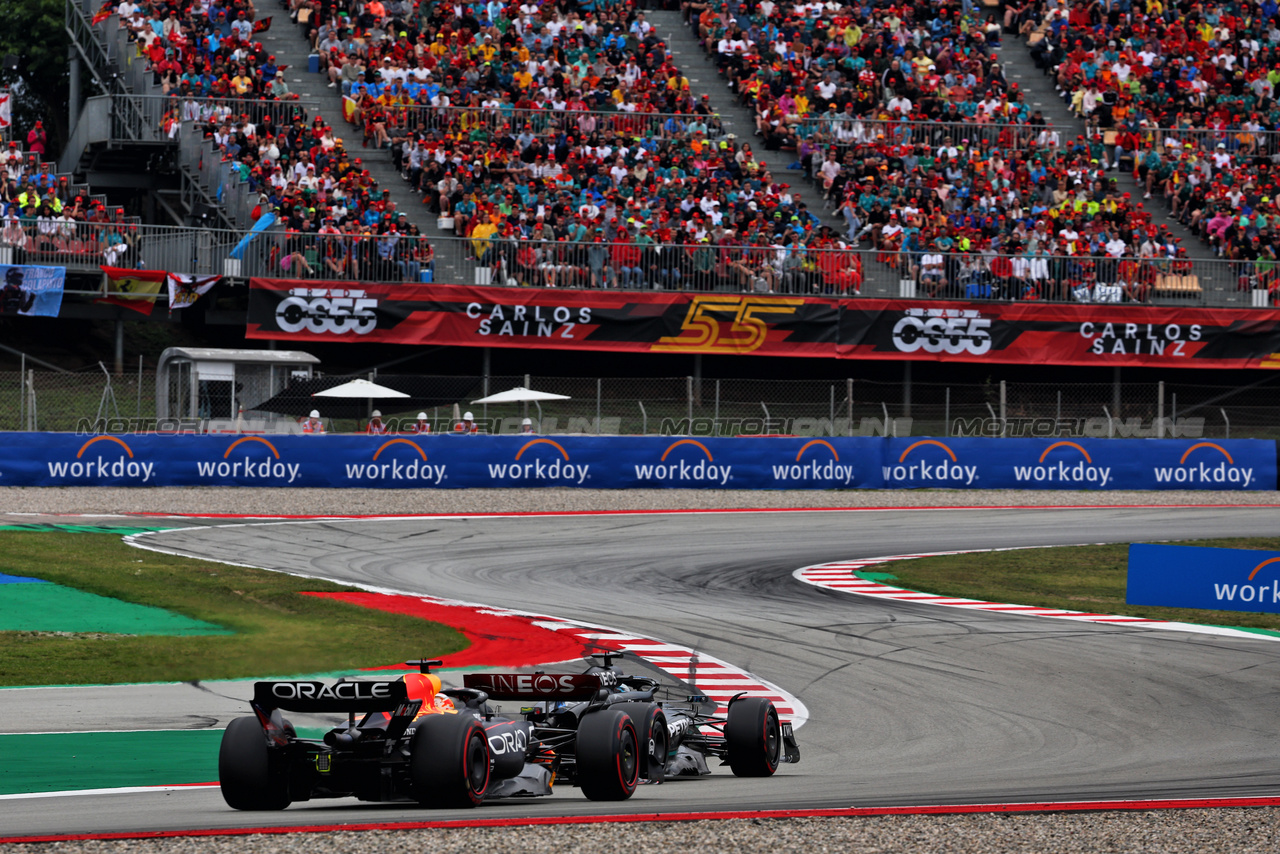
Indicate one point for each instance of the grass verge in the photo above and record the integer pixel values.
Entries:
(277, 630)
(1076, 578)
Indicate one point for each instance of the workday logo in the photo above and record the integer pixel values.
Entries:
(1064, 467)
(686, 461)
(102, 458)
(398, 459)
(541, 460)
(256, 459)
(1199, 577)
(823, 464)
(1251, 592)
(1205, 463)
(929, 467)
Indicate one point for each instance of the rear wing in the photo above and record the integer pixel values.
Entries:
(336, 697)
(540, 686)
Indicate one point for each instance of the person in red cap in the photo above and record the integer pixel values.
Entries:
(36, 139)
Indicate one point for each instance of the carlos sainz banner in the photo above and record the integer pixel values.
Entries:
(766, 325)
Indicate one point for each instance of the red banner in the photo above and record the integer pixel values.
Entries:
(669, 322)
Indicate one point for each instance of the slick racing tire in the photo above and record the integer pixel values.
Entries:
(753, 737)
(608, 755)
(251, 775)
(655, 740)
(449, 761)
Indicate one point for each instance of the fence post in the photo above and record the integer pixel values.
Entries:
(1110, 431)
(831, 412)
(1160, 411)
(599, 384)
(688, 388)
(31, 401)
(888, 430)
(22, 394)
(1004, 412)
(848, 388)
(119, 360)
(138, 414)
(906, 389)
(716, 431)
(1115, 391)
(946, 415)
(525, 414)
(484, 411)
(1174, 419)
(1059, 418)
(644, 419)
(1221, 409)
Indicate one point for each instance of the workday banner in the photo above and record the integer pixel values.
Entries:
(1078, 464)
(625, 462)
(1197, 577)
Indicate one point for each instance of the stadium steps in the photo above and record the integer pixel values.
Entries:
(1042, 95)
(705, 79)
(288, 43)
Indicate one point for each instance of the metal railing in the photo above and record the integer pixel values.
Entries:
(844, 130)
(84, 247)
(65, 402)
(694, 267)
(159, 110)
(465, 119)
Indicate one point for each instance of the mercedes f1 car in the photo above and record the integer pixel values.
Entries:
(677, 730)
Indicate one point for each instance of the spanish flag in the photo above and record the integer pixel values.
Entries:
(105, 12)
(349, 107)
(133, 289)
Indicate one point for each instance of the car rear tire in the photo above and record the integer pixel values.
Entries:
(753, 737)
(651, 727)
(449, 761)
(251, 775)
(608, 755)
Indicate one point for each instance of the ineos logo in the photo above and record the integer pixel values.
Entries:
(318, 311)
(508, 742)
(952, 335)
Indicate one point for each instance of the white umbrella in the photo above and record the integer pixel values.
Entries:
(360, 389)
(520, 395)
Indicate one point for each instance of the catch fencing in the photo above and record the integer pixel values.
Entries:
(90, 401)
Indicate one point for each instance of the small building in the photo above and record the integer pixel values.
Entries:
(222, 386)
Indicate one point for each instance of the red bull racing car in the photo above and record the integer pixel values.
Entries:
(412, 739)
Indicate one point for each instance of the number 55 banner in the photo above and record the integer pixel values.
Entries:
(763, 324)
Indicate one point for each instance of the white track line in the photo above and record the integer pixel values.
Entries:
(839, 576)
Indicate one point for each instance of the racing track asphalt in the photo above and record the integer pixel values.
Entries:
(909, 704)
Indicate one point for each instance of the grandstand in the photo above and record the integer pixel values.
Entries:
(822, 151)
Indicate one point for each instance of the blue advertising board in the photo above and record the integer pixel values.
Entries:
(1197, 577)
(623, 462)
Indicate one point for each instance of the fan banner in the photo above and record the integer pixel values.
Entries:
(133, 289)
(31, 291)
(186, 288)
(764, 324)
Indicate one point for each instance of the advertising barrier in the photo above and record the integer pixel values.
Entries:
(766, 325)
(622, 462)
(1197, 577)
